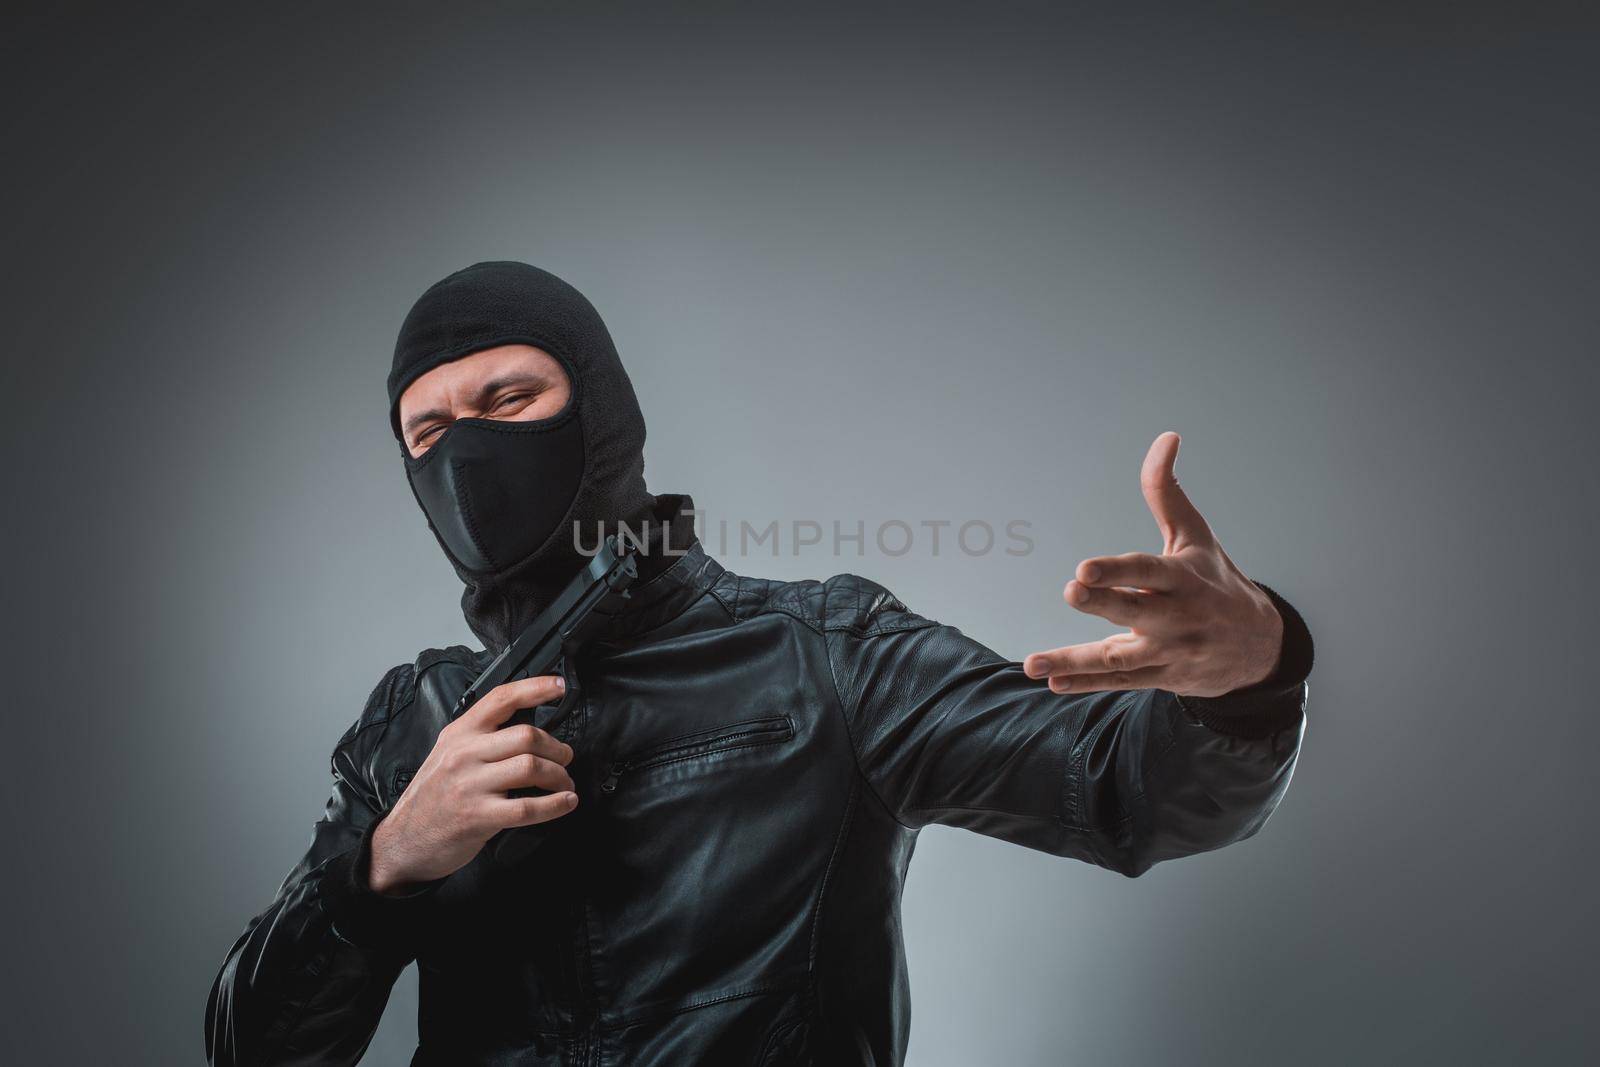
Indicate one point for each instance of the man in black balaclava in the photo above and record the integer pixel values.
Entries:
(502, 496)
(729, 776)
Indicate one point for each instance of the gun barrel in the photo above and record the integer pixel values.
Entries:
(560, 626)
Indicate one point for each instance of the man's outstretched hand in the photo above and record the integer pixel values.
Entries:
(1196, 625)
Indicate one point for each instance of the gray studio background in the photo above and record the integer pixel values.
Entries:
(909, 264)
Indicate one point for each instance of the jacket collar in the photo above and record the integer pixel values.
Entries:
(660, 599)
(676, 575)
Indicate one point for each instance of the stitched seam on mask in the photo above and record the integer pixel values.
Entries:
(464, 498)
(515, 571)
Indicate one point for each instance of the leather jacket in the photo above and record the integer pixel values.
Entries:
(754, 761)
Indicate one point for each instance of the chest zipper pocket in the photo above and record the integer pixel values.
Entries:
(765, 731)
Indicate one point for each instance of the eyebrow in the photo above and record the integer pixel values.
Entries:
(488, 389)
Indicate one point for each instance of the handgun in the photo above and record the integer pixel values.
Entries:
(563, 626)
(559, 630)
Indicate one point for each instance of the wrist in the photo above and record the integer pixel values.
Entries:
(1293, 651)
(363, 909)
(1277, 701)
(382, 877)
(1269, 654)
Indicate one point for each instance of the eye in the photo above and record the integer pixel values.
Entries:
(508, 399)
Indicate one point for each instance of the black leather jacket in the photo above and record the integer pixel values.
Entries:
(754, 760)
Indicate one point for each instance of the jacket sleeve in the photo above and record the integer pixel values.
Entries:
(307, 981)
(947, 731)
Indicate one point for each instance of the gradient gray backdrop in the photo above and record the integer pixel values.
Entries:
(910, 264)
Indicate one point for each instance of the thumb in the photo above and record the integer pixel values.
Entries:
(1180, 522)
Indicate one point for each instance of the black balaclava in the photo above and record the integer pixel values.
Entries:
(502, 497)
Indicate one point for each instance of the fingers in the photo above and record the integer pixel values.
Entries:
(527, 811)
(1110, 681)
(1120, 606)
(504, 701)
(1118, 653)
(514, 740)
(524, 770)
(1132, 570)
(1180, 521)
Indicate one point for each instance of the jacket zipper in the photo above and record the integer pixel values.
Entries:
(765, 731)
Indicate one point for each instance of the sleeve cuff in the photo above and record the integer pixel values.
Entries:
(373, 921)
(1275, 703)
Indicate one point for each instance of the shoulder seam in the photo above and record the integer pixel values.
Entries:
(727, 608)
(850, 738)
(884, 613)
(877, 627)
(767, 607)
(383, 694)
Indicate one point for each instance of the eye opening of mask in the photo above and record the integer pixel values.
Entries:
(532, 426)
(549, 422)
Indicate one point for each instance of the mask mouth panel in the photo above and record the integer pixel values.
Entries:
(495, 492)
